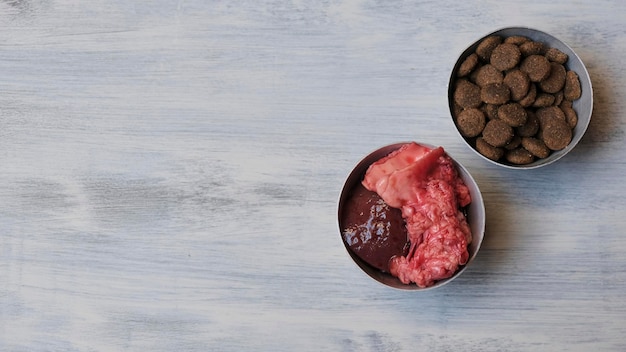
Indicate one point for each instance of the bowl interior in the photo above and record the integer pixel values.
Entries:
(475, 217)
(583, 106)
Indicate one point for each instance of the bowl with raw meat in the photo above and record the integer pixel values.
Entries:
(520, 98)
(410, 216)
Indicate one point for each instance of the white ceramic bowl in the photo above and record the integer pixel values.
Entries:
(583, 106)
(475, 217)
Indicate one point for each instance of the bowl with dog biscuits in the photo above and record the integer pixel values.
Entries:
(520, 98)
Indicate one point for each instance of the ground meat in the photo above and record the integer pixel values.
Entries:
(439, 235)
(430, 193)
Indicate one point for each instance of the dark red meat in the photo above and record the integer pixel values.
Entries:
(373, 230)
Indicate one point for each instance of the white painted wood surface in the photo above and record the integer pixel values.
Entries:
(170, 171)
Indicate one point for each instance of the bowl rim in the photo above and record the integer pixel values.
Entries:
(582, 125)
(386, 279)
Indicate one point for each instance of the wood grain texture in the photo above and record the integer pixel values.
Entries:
(170, 171)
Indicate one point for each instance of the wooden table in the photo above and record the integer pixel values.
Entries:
(170, 174)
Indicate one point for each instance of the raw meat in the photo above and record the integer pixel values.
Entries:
(372, 229)
(425, 185)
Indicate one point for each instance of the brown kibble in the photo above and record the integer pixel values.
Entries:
(556, 55)
(539, 134)
(556, 79)
(543, 100)
(467, 94)
(488, 74)
(518, 83)
(485, 48)
(519, 156)
(558, 98)
(513, 114)
(490, 110)
(550, 112)
(471, 122)
(571, 117)
(468, 65)
(532, 48)
(531, 126)
(536, 147)
(497, 133)
(495, 93)
(516, 40)
(486, 149)
(474, 73)
(537, 67)
(513, 143)
(555, 132)
(565, 104)
(529, 99)
(456, 109)
(572, 90)
(505, 56)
